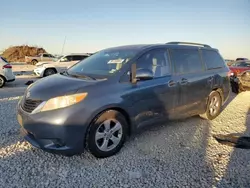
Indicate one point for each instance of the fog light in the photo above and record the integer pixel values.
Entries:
(58, 143)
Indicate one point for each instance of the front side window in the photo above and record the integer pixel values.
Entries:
(156, 61)
(212, 59)
(66, 58)
(78, 57)
(103, 63)
(186, 61)
(45, 55)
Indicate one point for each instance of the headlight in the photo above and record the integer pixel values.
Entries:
(63, 101)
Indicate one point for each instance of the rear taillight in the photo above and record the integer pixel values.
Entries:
(7, 66)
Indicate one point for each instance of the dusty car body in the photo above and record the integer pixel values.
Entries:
(41, 57)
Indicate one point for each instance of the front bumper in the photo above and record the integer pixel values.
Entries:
(59, 131)
(39, 71)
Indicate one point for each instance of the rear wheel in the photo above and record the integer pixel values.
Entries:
(34, 62)
(2, 81)
(213, 108)
(49, 72)
(107, 134)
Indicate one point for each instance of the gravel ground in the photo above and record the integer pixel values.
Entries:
(178, 154)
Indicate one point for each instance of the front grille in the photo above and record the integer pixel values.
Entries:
(29, 105)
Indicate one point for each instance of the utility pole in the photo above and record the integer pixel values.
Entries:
(63, 45)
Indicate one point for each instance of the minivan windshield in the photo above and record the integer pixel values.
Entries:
(104, 63)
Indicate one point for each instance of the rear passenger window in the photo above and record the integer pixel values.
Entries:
(186, 61)
(212, 59)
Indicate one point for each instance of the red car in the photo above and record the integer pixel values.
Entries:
(239, 67)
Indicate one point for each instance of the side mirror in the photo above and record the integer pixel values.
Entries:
(144, 74)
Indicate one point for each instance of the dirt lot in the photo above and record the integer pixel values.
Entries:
(177, 154)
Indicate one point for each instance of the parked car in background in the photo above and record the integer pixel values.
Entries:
(41, 57)
(240, 76)
(99, 101)
(241, 58)
(6, 74)
(239, 66)
(43, 69)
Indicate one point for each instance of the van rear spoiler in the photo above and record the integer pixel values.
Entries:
(190, 43)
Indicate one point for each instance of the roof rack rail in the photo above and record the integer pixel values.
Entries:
(190, 43)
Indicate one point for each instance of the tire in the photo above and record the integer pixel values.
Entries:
(213, 108)
(34, 62)
(2, 81)
(100, 143)
(49, 71)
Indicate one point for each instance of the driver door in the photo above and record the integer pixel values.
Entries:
(155, 99)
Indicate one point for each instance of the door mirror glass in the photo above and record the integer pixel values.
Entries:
(144, 74)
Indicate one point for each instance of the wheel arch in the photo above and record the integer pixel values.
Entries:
(49, 68)
(2, 76)
(98, 114)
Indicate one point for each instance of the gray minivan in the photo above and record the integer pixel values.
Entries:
(102, 99)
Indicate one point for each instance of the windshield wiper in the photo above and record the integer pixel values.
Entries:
(64, 73)
(82, 76)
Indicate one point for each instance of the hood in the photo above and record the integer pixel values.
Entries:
(57, 85)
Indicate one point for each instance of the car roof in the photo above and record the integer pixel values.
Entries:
(77, 54)
(140, 47)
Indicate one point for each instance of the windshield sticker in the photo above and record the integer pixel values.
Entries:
(115, 61)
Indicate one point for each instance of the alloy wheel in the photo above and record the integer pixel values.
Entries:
(108, 135)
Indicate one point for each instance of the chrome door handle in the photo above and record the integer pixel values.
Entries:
(184, 81)
(171, 83)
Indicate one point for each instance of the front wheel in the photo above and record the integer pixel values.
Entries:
(49, 72)
(107, 134)
(213, 108)
(34, 62)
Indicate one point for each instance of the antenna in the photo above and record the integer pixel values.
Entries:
(63, 45)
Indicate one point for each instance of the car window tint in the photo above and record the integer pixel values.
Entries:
(155, 60)
(78, 57)
(212, 59)
(186, 60)
(45, 55)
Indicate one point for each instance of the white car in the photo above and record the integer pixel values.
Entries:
(6, 74)
(44, 69)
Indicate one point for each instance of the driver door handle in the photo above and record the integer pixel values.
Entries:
(171, 83)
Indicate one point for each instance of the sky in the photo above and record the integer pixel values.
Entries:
(88, 26)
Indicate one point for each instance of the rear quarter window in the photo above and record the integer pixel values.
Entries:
(212, 59)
